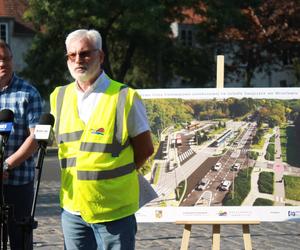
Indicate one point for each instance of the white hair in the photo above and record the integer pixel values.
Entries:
(92, 35)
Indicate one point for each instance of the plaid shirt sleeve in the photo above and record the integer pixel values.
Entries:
(26, 103)
(34, 109)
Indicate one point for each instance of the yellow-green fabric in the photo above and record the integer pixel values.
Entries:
(104, 199)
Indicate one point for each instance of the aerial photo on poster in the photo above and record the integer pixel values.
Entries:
(224, 148)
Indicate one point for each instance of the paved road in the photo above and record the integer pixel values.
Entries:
(157, 236)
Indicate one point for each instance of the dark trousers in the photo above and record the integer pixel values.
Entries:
(20, 200)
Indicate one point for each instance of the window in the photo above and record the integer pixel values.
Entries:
(190, 38)
(288, 55)
(283, 83)
(183, 37)
(3, 32)
(186, 37)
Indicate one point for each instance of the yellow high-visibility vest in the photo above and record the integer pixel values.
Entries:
(98, 174)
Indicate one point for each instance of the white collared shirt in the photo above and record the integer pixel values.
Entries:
(86, 102)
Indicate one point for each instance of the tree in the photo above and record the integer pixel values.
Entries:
(296, 65)
(272, 112)
(136, 38)
(240, 107)
(260, 36)
(297, 127)
(161, 113)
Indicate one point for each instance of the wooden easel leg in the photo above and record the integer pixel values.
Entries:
(186, 236)
(247, 237)
(216, 237)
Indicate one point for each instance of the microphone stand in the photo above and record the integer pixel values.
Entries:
(29, 223)
(4, 208)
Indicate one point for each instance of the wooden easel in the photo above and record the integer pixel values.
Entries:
(216, 225)
(216, 232)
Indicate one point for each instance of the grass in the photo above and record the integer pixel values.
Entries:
(181, 188)
(283, 143)
(263, 202)
(216, 131)
(157, 172)
(260, 144)
(242, 187)
(270, 152)
(272, 139)
(265, 182)
(262, 141)
(292, 187)
(253, 155)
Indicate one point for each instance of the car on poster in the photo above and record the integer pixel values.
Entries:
(203, 183)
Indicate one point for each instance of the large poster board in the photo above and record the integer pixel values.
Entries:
(224, 154)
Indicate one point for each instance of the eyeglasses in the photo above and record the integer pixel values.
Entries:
(86, 54)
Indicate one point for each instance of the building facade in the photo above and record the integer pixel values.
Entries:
(15, 31)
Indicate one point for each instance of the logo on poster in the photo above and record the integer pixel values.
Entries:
(293, 213)
(222, 213)
(158, 214)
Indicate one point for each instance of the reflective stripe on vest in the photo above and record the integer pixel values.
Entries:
(102, 147)
(67, 137)
(118, 129)
(67, 162)
(107, 174)
(59, 100)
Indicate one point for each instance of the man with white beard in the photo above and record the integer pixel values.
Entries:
(103, 138)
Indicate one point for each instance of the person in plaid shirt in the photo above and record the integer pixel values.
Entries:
(19, 167)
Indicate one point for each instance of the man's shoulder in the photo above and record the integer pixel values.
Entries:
(117, 84)
(121, 86)
(60, 87)
(21, 83)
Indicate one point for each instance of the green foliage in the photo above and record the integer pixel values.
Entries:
(297, 126)
(136, 41)
(270, 152)
(262, 39)
(157, 173)
(262, 202)
(258, 136)
(296, 65)
(292, 187)
(241, 107)
(209, 109)
(267, 156)
(253, 155)
(216, 109)
(272, 112)
(218, 20)
(290, 144)
(140, 49)
(283, 143)
(242, 186)
(201, 137)
(265, 182)
(181, 188)
(163, 113)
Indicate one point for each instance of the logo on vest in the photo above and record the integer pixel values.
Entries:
(99, 131)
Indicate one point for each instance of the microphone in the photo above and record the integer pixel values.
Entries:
(6, 124)
(43, 132)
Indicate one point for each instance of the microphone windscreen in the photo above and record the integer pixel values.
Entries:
(6, 115)
(47, 119)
